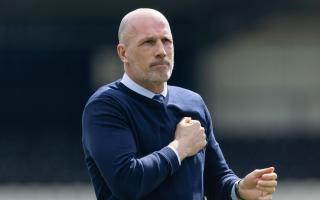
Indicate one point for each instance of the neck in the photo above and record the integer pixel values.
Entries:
(153, 86)
(156, 87)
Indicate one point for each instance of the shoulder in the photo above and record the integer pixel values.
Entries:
(106, 101)
(107, 98)
(185, 95)
(106, 92)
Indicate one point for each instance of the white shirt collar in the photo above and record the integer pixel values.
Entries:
(129, 83)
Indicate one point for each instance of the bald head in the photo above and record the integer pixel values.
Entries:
(130, 22)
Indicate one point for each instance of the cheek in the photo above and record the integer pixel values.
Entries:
(140, 61)
(170, 51)
(140, 54)
(143, 58)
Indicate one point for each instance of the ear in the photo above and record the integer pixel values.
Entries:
(122, 52)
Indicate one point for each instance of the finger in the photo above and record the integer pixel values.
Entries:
(272, 183)
(260, 172)
(267, 197)
(267, 186)
(202, 130)
(205, 143)
(195, 122)
(204, 137)
(271, 176)
(267, 190)
(186, 119)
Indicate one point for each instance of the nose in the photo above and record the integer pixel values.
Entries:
(160, 50)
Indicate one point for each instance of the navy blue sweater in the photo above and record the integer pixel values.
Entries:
(125, 138)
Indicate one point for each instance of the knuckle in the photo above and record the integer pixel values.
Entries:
(204, 135)
(196, 122)
(205, 142)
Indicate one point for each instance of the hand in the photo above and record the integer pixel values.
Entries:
(258, 185)
(189, 138)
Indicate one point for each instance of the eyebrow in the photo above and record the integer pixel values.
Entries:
(154, 38)
(147, 38)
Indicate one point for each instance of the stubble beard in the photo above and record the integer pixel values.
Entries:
(159, 76)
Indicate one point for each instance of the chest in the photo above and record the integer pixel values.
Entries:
(155, 127)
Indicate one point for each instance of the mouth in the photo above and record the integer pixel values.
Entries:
(160, 64)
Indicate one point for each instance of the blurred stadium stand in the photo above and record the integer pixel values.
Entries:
(47, 62)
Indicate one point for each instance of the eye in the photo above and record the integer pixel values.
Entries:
(167, 41)
(149, 42)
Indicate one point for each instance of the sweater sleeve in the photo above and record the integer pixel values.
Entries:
(110, 142)
(219, 178)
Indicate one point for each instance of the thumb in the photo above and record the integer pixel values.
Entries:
(259, 172)
(186, 119)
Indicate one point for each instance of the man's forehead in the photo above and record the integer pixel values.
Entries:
(150, 26)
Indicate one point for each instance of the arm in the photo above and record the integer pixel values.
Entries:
(111, 144)
(219, 178)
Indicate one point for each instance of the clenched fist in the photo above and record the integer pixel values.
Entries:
(260, 184)
(190, 138)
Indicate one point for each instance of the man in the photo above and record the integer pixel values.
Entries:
(144, 139)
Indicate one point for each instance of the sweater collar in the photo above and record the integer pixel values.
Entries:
(129, 83)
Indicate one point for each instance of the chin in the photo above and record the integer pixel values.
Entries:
(160, 76)
(165, 77)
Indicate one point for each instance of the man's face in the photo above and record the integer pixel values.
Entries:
(149, 51)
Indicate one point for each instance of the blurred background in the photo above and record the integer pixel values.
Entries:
(256, 64)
